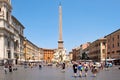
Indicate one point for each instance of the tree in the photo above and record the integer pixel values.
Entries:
(85, 56)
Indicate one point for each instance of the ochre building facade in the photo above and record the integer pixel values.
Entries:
(48, 55)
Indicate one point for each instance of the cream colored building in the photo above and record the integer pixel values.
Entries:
(97, 50)
(11, 34)
(32, 52)
(41, 54)
(70, 56)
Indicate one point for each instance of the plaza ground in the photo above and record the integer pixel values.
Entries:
(53, 73)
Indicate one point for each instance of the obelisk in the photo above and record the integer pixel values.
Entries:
(60, 41)
(60, 54)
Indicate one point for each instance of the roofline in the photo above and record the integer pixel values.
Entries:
(32, 43)
(112, 33)
(18, 21)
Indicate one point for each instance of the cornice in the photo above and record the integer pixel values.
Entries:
(11, 26)
(6, 1)
(2, 28)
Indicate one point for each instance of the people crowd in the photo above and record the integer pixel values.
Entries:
(8, 67)
(81, 68)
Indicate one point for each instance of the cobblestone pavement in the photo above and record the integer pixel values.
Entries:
(53, 73)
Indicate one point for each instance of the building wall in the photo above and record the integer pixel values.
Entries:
(41, 54)
(70, 56)
(77, 52)
(2, 47)
(31, 51)
(11, 34)
(48, 55)
(18, 39)
(97, 50)
(74, 54)
(113, 44)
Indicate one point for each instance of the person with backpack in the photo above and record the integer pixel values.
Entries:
(80, 68)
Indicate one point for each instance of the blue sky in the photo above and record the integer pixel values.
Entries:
(83, 20)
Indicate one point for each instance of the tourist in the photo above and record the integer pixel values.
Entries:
(94, 70)
(74, 68)
(80, 68)
(5, 67)
(40, 66)
(10, 67)
(86, 68)
(63, 67)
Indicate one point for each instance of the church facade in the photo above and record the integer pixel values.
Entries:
(11, 34)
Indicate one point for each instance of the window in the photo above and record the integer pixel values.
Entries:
(9, 54)
(108, 46)
(8, 26)
(113, 39)
(104, 43)
(7, 16)
(103, 50)
(8, 44)
(113, 52)
(113, 45)
(118, 44)
(99, 44)
(108, 53)
(108, 40)
(118, 36)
